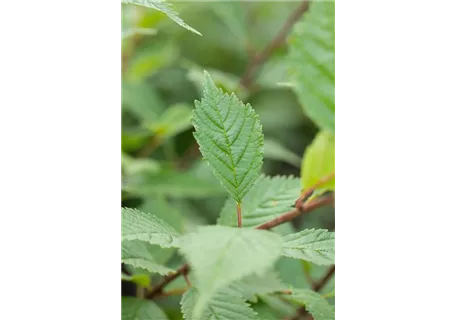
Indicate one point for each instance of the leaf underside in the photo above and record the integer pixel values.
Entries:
(317, 246)
(137, 254)
(222, 306)
(136, 309)
(317, 306)
(252, 286)
(137, 225)
(212, 250)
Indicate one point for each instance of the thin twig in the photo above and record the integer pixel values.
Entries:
(149, 147)
(306, 193)
(184, 269)
(288, 216)
(318, 285)
(278, 41)
(187, 280)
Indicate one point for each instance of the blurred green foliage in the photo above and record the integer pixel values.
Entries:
(162, 71)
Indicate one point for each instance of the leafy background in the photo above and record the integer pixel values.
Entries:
(162, 73)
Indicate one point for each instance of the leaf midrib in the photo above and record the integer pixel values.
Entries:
(225, 135)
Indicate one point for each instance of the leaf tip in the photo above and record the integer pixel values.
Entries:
(207, 80)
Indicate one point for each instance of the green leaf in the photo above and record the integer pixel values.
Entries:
(226, 81)
(136, 309)
(265, 312)
(173, 121)
(132, 166)
(140, 279)
(150, 60)
(291, 271)
(317, 246)
(280, 306)
(161, 255)
(274, 73)
(222, 306)
(169, 215)
(165, 211)
(164, 7)
(252, 286)
(133, 139)
(220, 255)
(330, 294)
(172, 184)
(312, 64)
(319, 161)
(276, 151)
(143, 31)
(233, 15)
(137, 225)
(315, 304)
(142, 100)
(192, 213)
(136, 253)
(285, 228)
(230, 139)
(269, 198)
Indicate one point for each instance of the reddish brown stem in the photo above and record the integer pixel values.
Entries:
(149, 147)
(278, 41)
(239, 215)
(318, 285)
(306, 193)
(187, 280)
(306, 207)
(184, 269)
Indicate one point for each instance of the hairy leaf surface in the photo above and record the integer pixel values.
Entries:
(136, 309)
(220, 255)
(137, 225)
(222, 306)
(317, 246)
(317, 306)
(136, 253)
